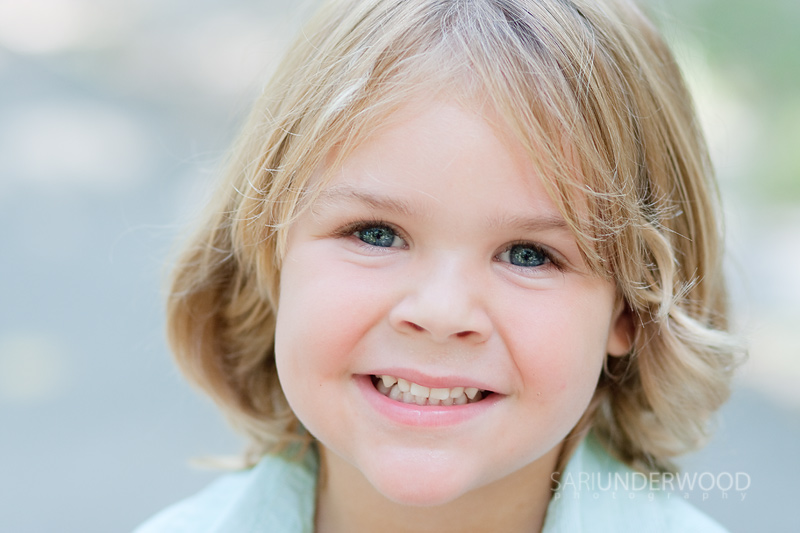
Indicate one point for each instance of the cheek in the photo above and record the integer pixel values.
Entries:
(310, 339)
(324, 311)
(559, 345)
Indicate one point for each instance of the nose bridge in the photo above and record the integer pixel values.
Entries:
(451, 276)
(444, 300)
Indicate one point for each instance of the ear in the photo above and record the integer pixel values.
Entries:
(620, 333)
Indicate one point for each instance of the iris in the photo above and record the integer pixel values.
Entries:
(526, 256)
(377, 236)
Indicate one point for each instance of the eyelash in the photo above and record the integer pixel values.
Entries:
(349, 230)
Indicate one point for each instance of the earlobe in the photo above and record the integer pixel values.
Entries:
(620, 334)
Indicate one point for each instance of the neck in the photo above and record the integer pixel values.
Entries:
(347, 503)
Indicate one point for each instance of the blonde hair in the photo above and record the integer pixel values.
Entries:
(595, 96)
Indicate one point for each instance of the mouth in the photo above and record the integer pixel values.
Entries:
(402, 390)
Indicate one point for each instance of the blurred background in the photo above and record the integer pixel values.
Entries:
(114, 117)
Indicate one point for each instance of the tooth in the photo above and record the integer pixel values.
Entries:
(440, 394)
(420, 391)
(395, 393)
(402, 390)
(382, 388)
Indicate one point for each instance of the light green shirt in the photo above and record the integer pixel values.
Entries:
(596, 494)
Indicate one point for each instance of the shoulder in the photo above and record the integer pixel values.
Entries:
(198, 512)
(597, 493)
(275, 495)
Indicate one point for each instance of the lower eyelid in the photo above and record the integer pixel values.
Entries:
(542, 272)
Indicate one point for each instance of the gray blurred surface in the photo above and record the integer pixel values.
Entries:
(113, 118)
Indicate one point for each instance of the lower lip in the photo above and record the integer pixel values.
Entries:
(422, 415)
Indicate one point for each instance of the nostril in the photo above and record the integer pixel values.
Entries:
(412, 317)
(416, 327)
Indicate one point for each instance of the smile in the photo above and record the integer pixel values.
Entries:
(405, 391)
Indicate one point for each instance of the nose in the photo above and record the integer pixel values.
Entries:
(444, 302)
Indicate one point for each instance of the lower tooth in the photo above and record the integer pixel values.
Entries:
(461, 400)
(408, 397)
(434, 401)
(448, 401)
(420, 400)
(383, 389)
(395, 393)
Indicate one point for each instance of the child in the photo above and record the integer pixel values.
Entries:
(467, 253)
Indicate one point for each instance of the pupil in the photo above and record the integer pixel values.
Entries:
(377, 236)
(526, 256)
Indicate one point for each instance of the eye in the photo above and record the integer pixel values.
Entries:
(379, 235)
(525, 255)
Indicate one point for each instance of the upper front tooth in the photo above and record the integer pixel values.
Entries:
(471, 392)
(388, 381)
(404, 385)
(419, 390)
(440, 394)
(455, 392)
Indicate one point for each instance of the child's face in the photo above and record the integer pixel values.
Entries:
(436, 256)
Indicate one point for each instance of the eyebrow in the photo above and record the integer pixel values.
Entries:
(548, 222)
(374, 201)
(347, 193)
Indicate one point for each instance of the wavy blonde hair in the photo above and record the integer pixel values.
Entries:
(591, 91)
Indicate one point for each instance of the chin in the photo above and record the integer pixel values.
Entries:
(424, 494)
(428, 481)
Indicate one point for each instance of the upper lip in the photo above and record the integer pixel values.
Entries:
(433, 382)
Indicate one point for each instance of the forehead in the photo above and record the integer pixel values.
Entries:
(436, 156)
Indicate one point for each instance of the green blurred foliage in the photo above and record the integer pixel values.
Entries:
(754, 47)
(755, 40)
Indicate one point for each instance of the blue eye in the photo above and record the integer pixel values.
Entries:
(525, 255)
(381, 236)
